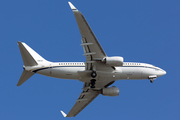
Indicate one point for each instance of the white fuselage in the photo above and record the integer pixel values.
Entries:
(76, 70)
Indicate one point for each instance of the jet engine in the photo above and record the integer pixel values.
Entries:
(110, 91)
(113, 61)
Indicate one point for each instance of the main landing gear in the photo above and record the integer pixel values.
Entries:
(93, 74)
(93, 81)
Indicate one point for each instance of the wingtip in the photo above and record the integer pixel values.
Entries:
(64, 114)
(18, 42)
(72, 6)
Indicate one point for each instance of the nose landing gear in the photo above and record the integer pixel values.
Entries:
(151, 80)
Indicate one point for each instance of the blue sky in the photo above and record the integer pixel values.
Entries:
(141, 31)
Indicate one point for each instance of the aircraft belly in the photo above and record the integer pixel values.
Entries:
(44, 72)
(81, 74)
(106, 76)
(131, 73)
(85, 76)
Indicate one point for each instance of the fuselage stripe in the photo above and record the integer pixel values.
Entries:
(53, 67)
(43, 68)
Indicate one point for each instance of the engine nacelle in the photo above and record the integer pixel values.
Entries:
(113, 61)
(110, 91)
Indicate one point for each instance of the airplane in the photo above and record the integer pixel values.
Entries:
(97, 73)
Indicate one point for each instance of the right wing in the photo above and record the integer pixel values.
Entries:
(92, 48)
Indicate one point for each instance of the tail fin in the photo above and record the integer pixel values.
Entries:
(29, 56)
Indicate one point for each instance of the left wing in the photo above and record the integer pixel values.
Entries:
(87, 96)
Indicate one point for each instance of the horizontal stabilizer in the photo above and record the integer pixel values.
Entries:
(25, 76)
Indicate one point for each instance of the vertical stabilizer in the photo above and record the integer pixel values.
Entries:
(25, 76)
(29, 56)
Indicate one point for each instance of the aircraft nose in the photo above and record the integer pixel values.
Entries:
(163, 72)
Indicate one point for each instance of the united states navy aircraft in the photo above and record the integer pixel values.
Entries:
(97, 73)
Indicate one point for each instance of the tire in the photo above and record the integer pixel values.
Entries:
(151, 81)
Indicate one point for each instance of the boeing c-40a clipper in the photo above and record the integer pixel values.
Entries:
(97, 73)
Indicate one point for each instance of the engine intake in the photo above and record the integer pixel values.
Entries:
(113, 61)
(110, 91)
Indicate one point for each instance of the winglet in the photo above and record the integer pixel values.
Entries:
(72, 6)
(64, 114)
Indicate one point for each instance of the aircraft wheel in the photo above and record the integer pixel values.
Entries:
(93, 74)
(151, 81)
